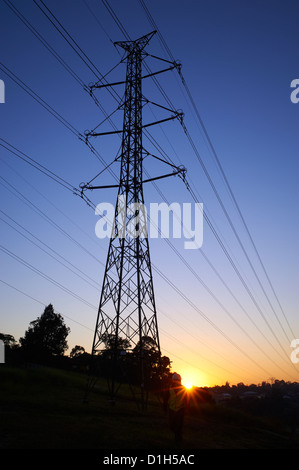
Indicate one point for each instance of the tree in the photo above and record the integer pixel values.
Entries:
(111, 341)
(45, 337)
(8, 340)
(11, 348)
(77, 351)
(155, 366)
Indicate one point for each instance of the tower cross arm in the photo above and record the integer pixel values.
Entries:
(138, 43)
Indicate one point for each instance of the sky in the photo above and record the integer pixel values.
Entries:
(227, 311)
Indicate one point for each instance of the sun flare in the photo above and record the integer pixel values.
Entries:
(188, 385)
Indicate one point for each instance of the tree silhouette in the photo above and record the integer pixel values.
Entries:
(155, 366)
(77, 351)
(111, 341)
(45, 337)
(8, 340)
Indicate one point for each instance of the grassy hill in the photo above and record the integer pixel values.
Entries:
(43, 409)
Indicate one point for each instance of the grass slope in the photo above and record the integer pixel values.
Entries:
(43, 409)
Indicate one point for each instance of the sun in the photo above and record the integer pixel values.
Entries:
(188, 385)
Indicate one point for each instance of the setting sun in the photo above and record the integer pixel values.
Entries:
(188, 385)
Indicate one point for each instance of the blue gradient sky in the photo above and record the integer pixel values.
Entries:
(238, 59)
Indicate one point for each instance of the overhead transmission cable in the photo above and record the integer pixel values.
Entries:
(54, 254)
(44, 304)
(71, 263)
(51, 110)
(220, 201)
(231, 261)
(73, 44)
(123, 30)
(44, 42)
(219, 330)
(11, 188)
(127, 36)
(197, 277)
(98, 21)
(37, 98)
(170, 55)
(45, 276)
(69, 70)
(37, 166)
(46, 244)
(42, 2)
(30, 266)
(41, 303)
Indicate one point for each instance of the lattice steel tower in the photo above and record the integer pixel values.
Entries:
(127, 308)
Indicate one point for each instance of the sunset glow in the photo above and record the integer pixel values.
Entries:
(188, 385)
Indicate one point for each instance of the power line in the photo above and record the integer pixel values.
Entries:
(62, 62)
(37, 98)
(69, 69)
(58, 209)
(246, 287)
(34, 237)
(46, 246)
(45, 276)
(223, 246)
(235, 269)
(88, 279)
(33, 206)
(177, 290)
(197, 277)
(123, 30)
(169, 53)
(164, 276)
(44, 304)
(27, 23)
(197, 354)
(154, 25)
(114, 16)
(116, 19)
(38, 166)
(232, 227)
(53, 112)
(73, 44)
(194, 307)
(214, 269)
(43, 41)
(40, 302)
(97, 20)
(216, 192)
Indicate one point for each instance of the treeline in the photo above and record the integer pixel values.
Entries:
(272, 387)
(276, 401)
(45, 343)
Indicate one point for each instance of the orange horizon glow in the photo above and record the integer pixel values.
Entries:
(188, 385)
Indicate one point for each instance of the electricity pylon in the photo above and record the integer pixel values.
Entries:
(127, 308)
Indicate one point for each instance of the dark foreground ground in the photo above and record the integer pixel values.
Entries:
(44, 409)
